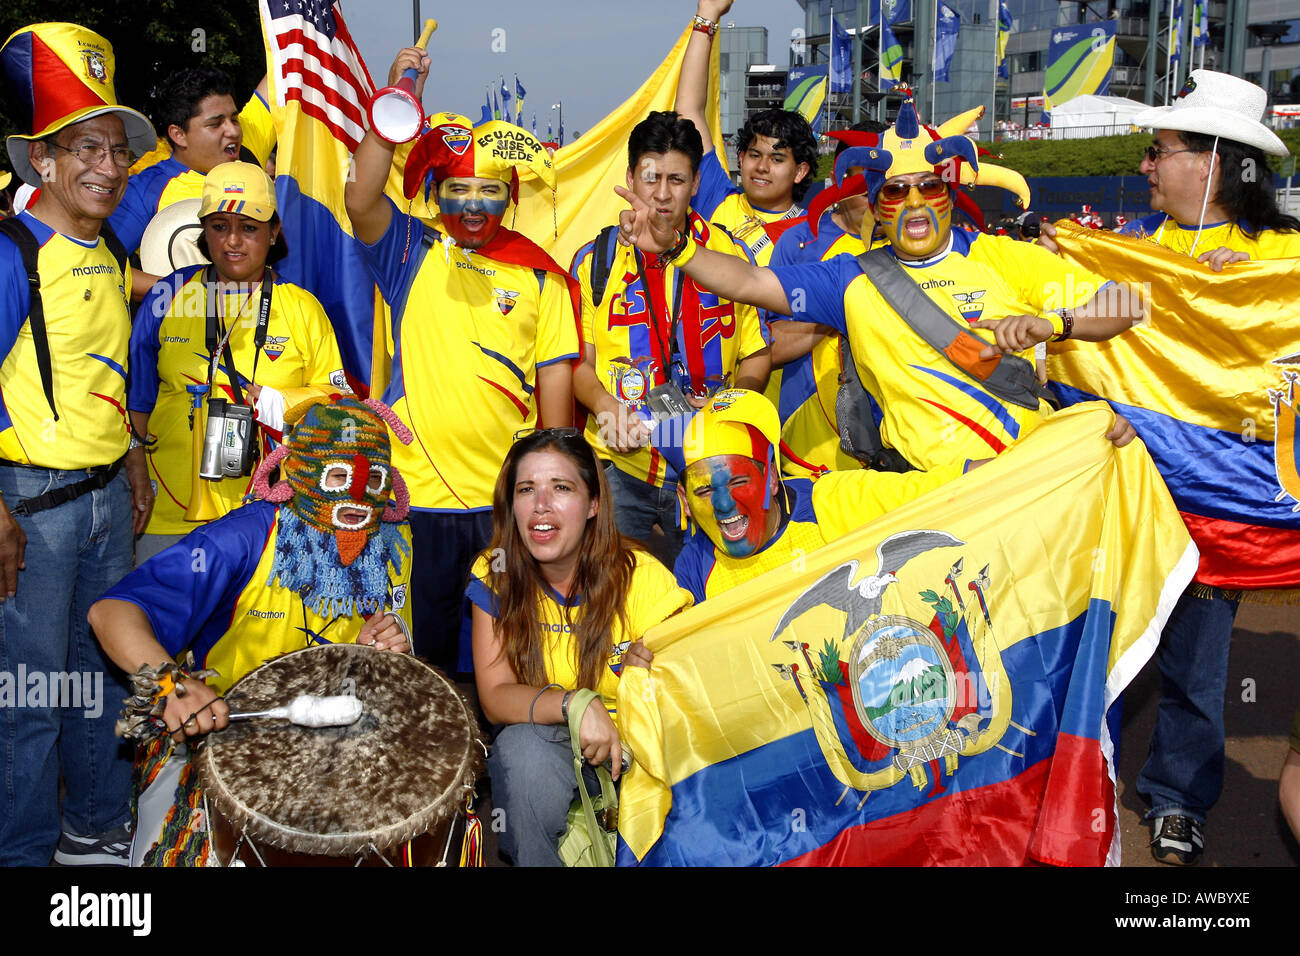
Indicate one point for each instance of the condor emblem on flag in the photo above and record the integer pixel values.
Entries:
(1286, 448)
(505, 300)
(94, 63)
(457, 138)
(904, 698)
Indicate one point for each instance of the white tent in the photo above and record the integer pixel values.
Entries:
(1087, 116)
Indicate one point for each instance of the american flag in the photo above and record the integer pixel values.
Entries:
(317, 63)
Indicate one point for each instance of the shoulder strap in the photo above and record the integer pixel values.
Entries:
(114, 246)
(1009, 377)
(23, 238)
(859, 435)
(602, 262)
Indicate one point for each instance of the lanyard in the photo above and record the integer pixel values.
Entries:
(219, 344)
(672, 312)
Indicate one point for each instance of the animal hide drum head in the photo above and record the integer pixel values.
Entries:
(404, 766)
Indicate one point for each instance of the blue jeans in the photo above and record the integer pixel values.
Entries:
(443, 548)
(1184, 771)
(75, 552)
(531, 767)
(639, 505)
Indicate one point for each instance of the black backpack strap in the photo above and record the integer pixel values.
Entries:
(22, 237)
(114, 246)
(602, 262)
(859, 435)
(1009, 377)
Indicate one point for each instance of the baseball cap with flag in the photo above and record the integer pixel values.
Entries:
(451, 148)
(238, 187)
(58, 74)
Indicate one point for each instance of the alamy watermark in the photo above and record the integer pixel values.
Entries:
(78, 690)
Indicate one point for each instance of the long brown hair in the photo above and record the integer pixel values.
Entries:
(602, 577)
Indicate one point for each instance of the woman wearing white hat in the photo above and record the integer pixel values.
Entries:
(199, 313)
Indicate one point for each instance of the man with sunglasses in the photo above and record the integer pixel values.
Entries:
(69, 507)
(1213, 200)
(937, 410)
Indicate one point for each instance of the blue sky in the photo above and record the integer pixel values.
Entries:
(591, 55)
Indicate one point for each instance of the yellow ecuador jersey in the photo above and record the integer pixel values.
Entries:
(819, 511)
(212, 594)
(934, 413)
(470, 333)
(169, 352)
(88, 327)
(809, 385)
(1269, 244)
(637, 336)
(170, 181)
(652, 597)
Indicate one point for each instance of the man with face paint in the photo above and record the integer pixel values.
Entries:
(749, 520)
(322, 558)
(484, 328)
(935, 413)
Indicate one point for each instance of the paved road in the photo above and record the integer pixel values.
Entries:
(1246, 828)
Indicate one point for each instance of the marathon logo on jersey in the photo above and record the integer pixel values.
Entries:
(456, 138)
(274, 347)
(970, 304)
(505, 300)
(265, 615)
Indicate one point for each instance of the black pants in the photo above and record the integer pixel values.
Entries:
(445, 546)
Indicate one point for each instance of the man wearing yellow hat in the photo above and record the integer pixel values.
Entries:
(910, 311)
(68, 512)
(484, 328)
(751, 521)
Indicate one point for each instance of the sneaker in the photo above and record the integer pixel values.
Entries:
(104, 849)
(1176, 839)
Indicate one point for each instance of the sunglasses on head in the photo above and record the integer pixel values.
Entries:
(928, 188)
(557, 432)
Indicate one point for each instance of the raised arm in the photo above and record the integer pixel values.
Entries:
(731, 277)
(364, 194)
(1115, 308)
(693, 85)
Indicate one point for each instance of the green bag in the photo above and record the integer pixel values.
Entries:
(592, 831)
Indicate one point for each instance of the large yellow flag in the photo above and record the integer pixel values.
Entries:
(590, 167)
(934, 688)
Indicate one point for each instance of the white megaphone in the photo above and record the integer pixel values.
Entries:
(395, 113)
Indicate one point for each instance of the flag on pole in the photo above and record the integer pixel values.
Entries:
(534, 124)
(945, 40)
(1079, 62)
(1175, 30)
(520, 93)
(486, 112)
(896, 11)
(318, 90)
(1005, 22)
(496, 106)
(841, 71)
(805, 93)
(891, 60)
(505, 101)
(934, 688)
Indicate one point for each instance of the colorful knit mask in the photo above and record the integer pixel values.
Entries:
(338, 472)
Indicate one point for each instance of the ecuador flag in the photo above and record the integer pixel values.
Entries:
(1208, 381)
(931, 689)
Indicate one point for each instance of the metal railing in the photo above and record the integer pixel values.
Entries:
(1061, 132)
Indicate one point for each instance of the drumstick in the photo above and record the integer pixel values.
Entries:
(310, 710)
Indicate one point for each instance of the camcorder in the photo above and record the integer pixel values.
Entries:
(229, 442)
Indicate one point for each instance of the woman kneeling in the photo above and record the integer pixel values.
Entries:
(561, 601)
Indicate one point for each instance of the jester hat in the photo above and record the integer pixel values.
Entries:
(451, 148)
(57, 74)
(911, 147)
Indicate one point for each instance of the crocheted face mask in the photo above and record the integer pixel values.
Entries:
(339, 469)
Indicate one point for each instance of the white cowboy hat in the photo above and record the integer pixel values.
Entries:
(1217, 104)
(170, 240)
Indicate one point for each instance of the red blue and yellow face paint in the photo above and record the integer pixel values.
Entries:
(727, 497)
(917, 222)
(471, 208)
